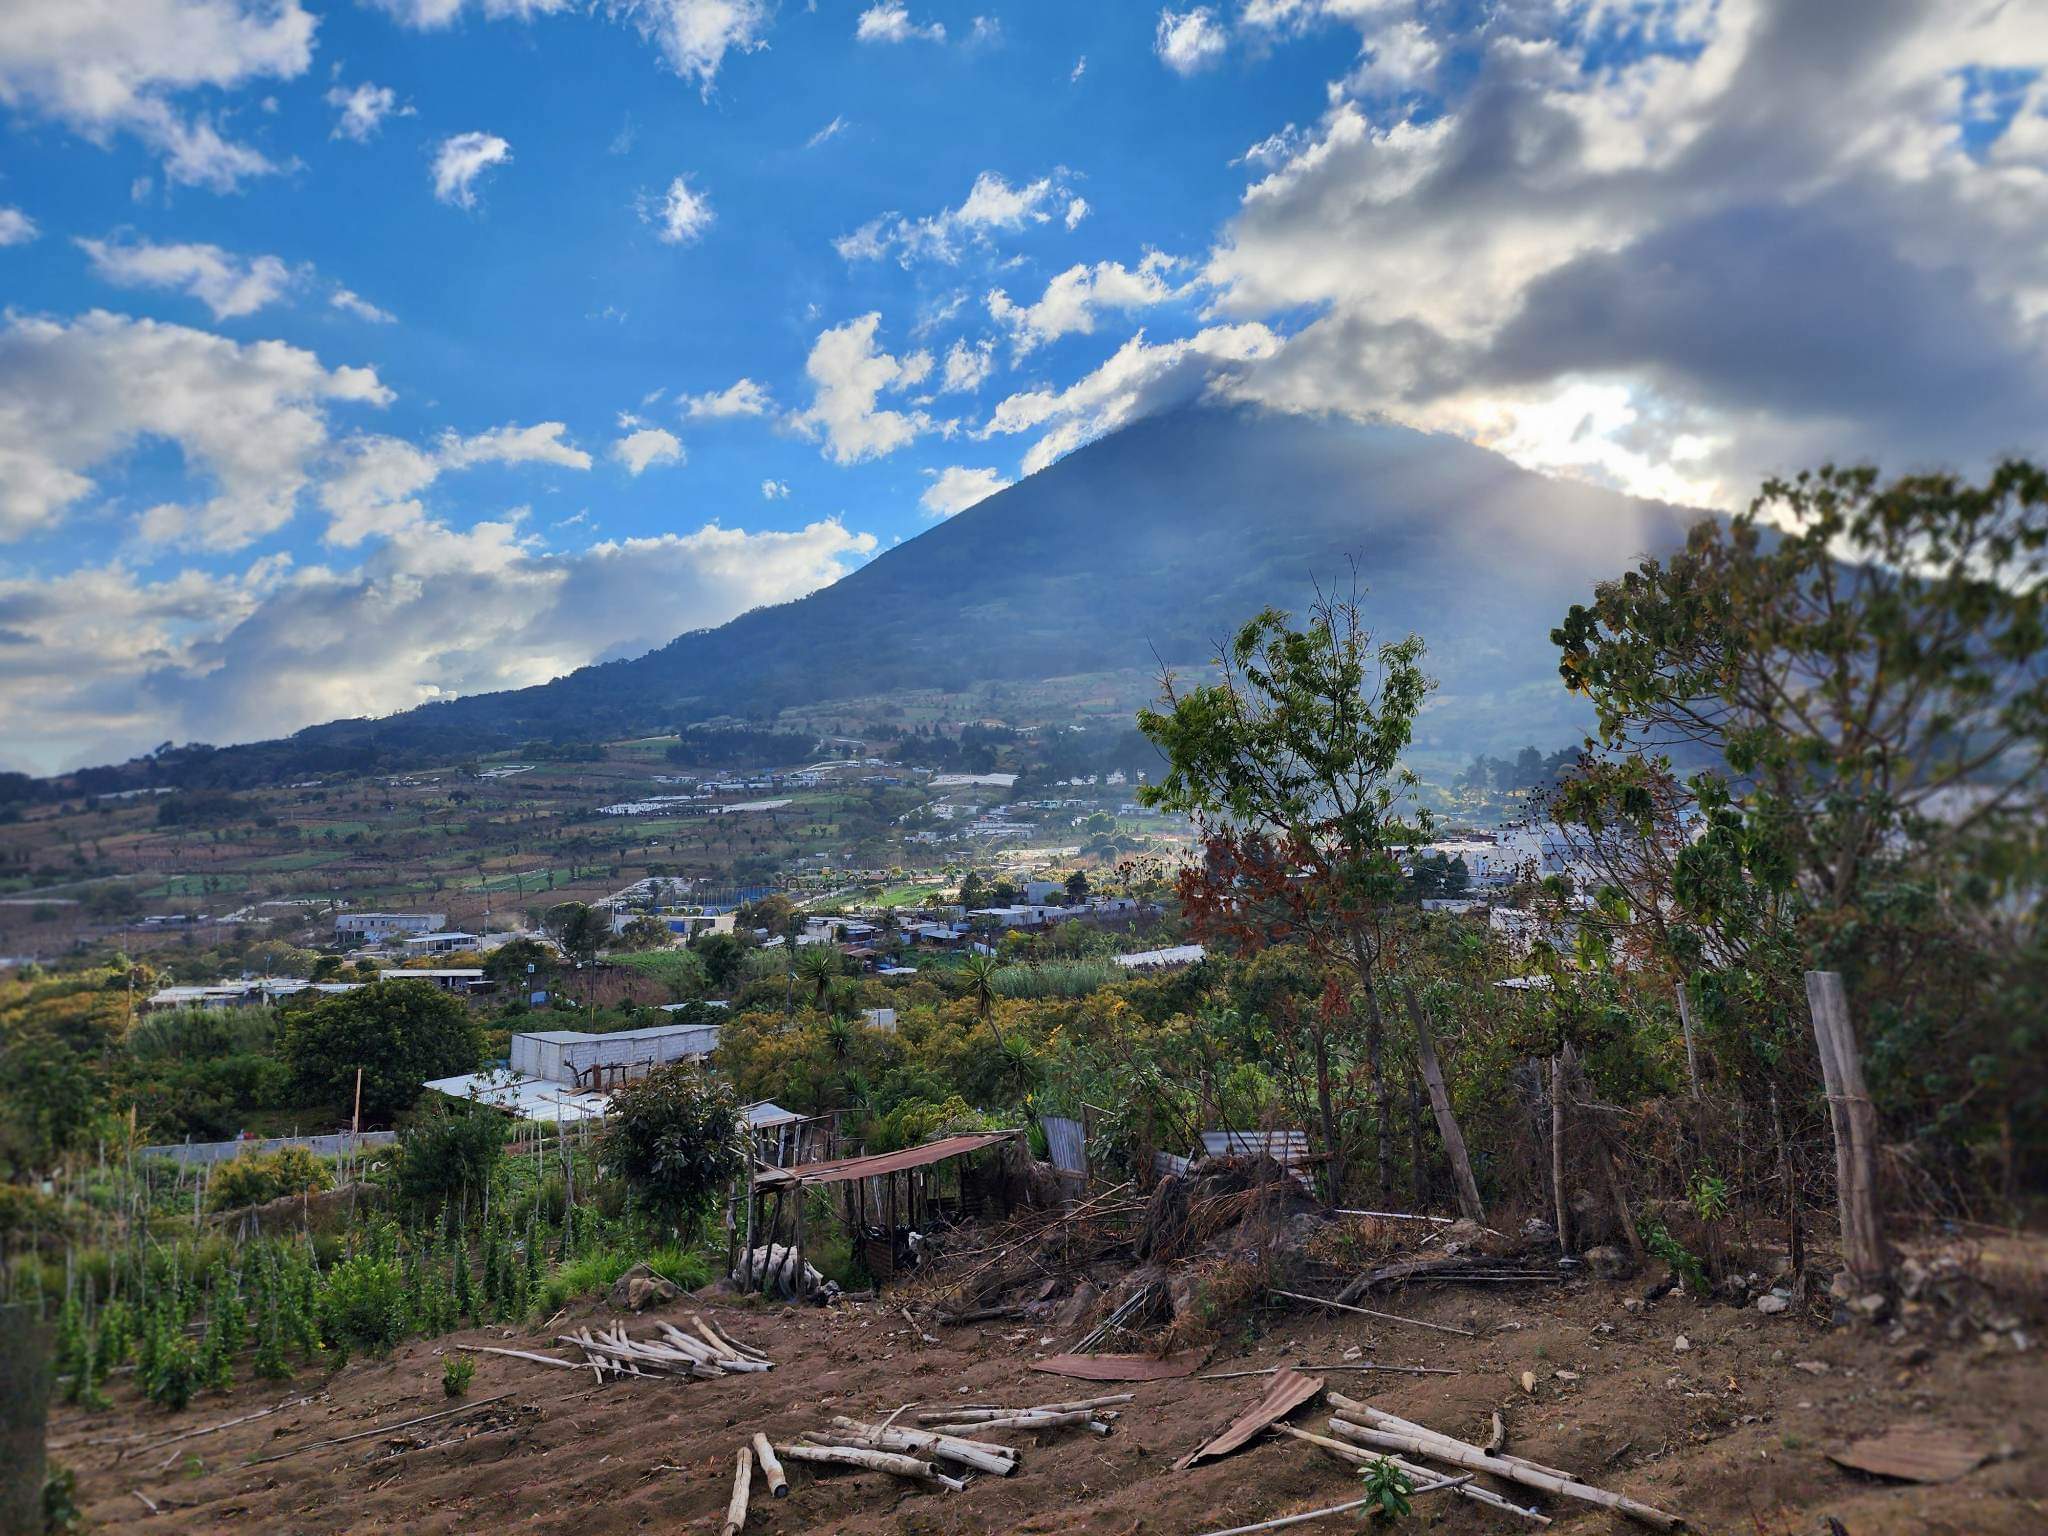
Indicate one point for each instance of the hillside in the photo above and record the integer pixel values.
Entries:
(1150, 543)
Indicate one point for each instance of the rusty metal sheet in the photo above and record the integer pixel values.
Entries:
(1914, 1453)
(1124, 1367)
(1288, 1390)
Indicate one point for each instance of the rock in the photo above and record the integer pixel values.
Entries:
(1681, 1344)
(1537, 1230)
(1464, 1230)
(1811, 1367)
(1608, 1263)
(1079, 1307)
(639, 1288)
(1871, 1305)
(1632, 1303)
(1771, 1303)
(1529, 1382)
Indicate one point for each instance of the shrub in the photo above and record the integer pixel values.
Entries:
(456, 1372)
(363, 1304)
(674, 1137)
(259, 1176)
(449, 1150)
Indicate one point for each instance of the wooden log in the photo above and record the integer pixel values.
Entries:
(869, 1461)
(742, 1479)
(1370, 1417)
(982, 1456)
(1085, 1404)
(1387, 1317)
(520, 1354)
(1864, 1249)
(724, 1342)
(1473, 1459)
(1440, 1105)
(1357, 1456)
(1027, 1421)
(771, 1469)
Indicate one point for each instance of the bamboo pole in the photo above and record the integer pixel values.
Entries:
(1473, 1459)
(1440, 1104)
(1377, 1418)
(1864, 1249)
(1357, 1456)
(1557, 1130)
(1692, 1060)
(771, 1468)
(742, 1478)
(1389, 1317)
(1334, 1509)
(997, 1459)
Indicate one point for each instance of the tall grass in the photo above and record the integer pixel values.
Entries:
(194, 1034)
(1056, 978)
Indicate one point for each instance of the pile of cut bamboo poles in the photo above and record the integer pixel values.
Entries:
(1092, 1413)
(707, 1353)
(1361, 1433)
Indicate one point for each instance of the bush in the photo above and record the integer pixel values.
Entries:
(674, 1137)
(398, 1033)
(449, 1151)
(363, 1304)
(256, 1177)
(456, 1372)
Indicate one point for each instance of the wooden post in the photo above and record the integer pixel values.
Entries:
(355, 1124)
(1446, 1121)
(24, 1415)
(1557, 1129)
(799, 1280)
(1864, 1250)
(1608, 1169)
(1692, 1060)
(742, 1478)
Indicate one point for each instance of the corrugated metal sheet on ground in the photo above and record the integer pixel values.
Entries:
(1283, 1147)
(844, 1170)
(1066, 1144)
(1287, 1392)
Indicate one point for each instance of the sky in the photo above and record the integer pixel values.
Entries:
(357, 353)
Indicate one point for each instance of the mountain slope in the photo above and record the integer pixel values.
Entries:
(1155, 541)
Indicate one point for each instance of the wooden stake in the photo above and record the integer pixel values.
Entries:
(1440, 1104)
(1795, 1232)
(742, 1478)
(771, 1469)
(1864, 1249)
(1557, 1126)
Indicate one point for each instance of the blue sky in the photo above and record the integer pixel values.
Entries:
(357, 354)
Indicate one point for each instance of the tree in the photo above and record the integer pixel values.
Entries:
(645, 933)
(675, 1137)
(400, 1033)
(581, 930)
(979, 973)
(1077, 888)
(723, 956)
(1293, 762)
(448, 1154)
(508, 964)
(818, 965)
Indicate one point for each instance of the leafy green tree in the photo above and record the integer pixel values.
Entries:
(675, 1137)
(1293, 761)
(1077, 888)
(507, 964)
(400, 1033)
(724, 956)
(818, 966)
(581, 930)
(447, 1155)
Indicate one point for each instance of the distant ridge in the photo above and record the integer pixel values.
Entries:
(1154, 541)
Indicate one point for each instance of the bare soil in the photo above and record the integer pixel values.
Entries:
(1729, 1433)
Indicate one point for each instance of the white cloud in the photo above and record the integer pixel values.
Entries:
(16, 227)
(831, 130)
(1080, 69)
(775, 490)
(957, 488)
(1187, 41)
(352, 303)
(889, 22)
(247, 420)
(848, 375)
(992, 206)
(743, 398)
(987, 32)
(967, 367)
(1674, 268)
(460, 160)
(100, 68)
(641, 450)
(680, 215)
(227, 284)
(372, 486)
(1070, 301)
(1139, 379)
(363, 110)
(108, 664)
(1077, 210)
(694, 36)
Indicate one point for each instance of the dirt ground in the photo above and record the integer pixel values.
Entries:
(1729, 1432)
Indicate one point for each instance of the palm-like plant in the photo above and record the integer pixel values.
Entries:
(819, 965)
(980, 975)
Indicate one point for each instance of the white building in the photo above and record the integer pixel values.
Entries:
(576, 1059)
(376, 927)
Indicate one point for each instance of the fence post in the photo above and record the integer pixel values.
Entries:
(1440, 1105)
(24, 1416)
(1854, 1119)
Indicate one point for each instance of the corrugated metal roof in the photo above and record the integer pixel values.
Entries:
(845, 1170)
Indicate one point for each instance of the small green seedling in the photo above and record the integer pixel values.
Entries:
(1388, 1486)
(456, 1371)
